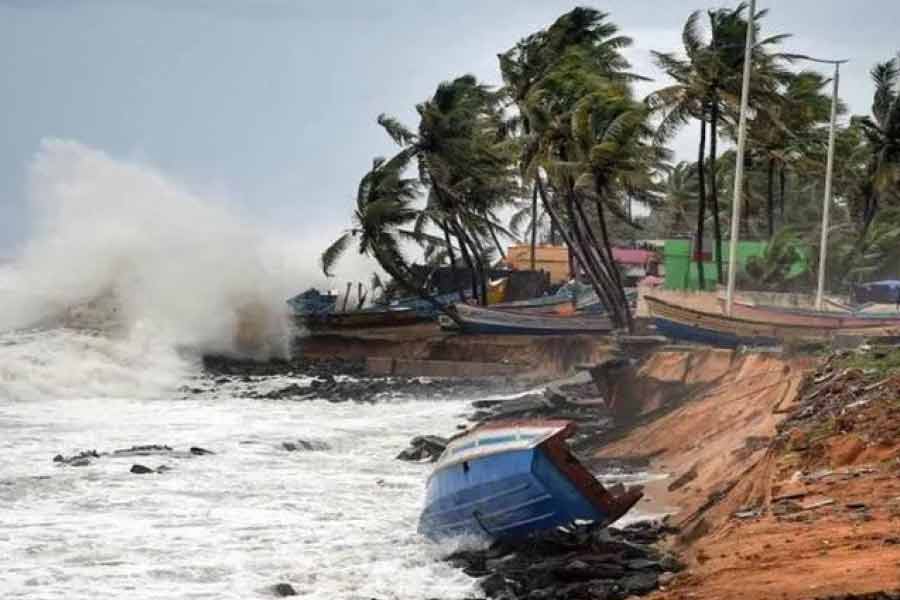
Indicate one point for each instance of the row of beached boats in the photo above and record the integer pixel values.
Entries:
(569, 312)
(569, 309)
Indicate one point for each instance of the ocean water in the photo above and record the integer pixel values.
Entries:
(335, 523)
(186, 275)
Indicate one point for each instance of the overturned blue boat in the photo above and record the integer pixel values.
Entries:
(506, 480)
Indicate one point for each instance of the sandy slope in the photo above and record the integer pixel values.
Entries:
(731, 467)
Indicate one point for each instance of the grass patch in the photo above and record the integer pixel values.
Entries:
(879, 362)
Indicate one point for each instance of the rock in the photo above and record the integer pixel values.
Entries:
(640, 583)
(580, 562)
(140, 469)
(163, 468)
(283, 589)
(145, 450)
(642, 564)
(82, 459)
(310, 446)
(424, 447)
(493, 585)
(197, 451)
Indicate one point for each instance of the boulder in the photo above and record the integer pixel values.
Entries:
(424, 448)
(140, 469)
(283, 589)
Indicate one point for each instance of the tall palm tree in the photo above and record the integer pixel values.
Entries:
(465, 161)
(546, 74)
(707, 83)
(591, 140)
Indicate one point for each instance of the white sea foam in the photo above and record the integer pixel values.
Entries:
(336, 524)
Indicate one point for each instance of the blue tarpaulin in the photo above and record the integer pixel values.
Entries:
(882, 292)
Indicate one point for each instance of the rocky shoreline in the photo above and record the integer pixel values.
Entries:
(582, 562)
(337, 380)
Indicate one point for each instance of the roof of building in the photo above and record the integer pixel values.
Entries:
(633, 256)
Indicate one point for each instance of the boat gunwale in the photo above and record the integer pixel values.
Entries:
(558, 427)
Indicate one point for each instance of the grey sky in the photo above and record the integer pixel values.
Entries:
(273, 102)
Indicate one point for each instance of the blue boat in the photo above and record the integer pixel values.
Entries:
(506, 480)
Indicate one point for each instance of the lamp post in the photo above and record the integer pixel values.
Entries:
(829, 170)
(739, 167)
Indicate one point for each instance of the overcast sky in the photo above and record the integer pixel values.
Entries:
(272, 103)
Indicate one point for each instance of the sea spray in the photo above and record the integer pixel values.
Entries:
(186, 267)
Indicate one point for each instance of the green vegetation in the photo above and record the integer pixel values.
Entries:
(567, 149)
(876, 363)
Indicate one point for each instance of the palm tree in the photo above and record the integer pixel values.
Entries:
(466, 163)
(791, 132)
(707, 88)
(679, 191)
(383, 212)
(882, 132)
(591, 139)
(531, 219)
(546, 75)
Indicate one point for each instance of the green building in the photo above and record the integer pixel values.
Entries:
(681, 271)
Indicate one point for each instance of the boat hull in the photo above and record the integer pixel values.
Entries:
(488, 321)
(709, 336)
(362, 319)
(503, 486)
(686, 324)
(810, 318)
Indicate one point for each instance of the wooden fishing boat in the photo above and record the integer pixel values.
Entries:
(474, 319)
(777, 315)
(362, 319)
(505, 480)
(558, 304)
(682, 323)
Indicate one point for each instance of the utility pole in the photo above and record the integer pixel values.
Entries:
(829, 172)
(739, 167)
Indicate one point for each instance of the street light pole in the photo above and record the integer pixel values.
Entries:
(826, 202)
(739, 167)
(829, 171)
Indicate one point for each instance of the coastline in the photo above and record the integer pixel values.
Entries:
(697, 428)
